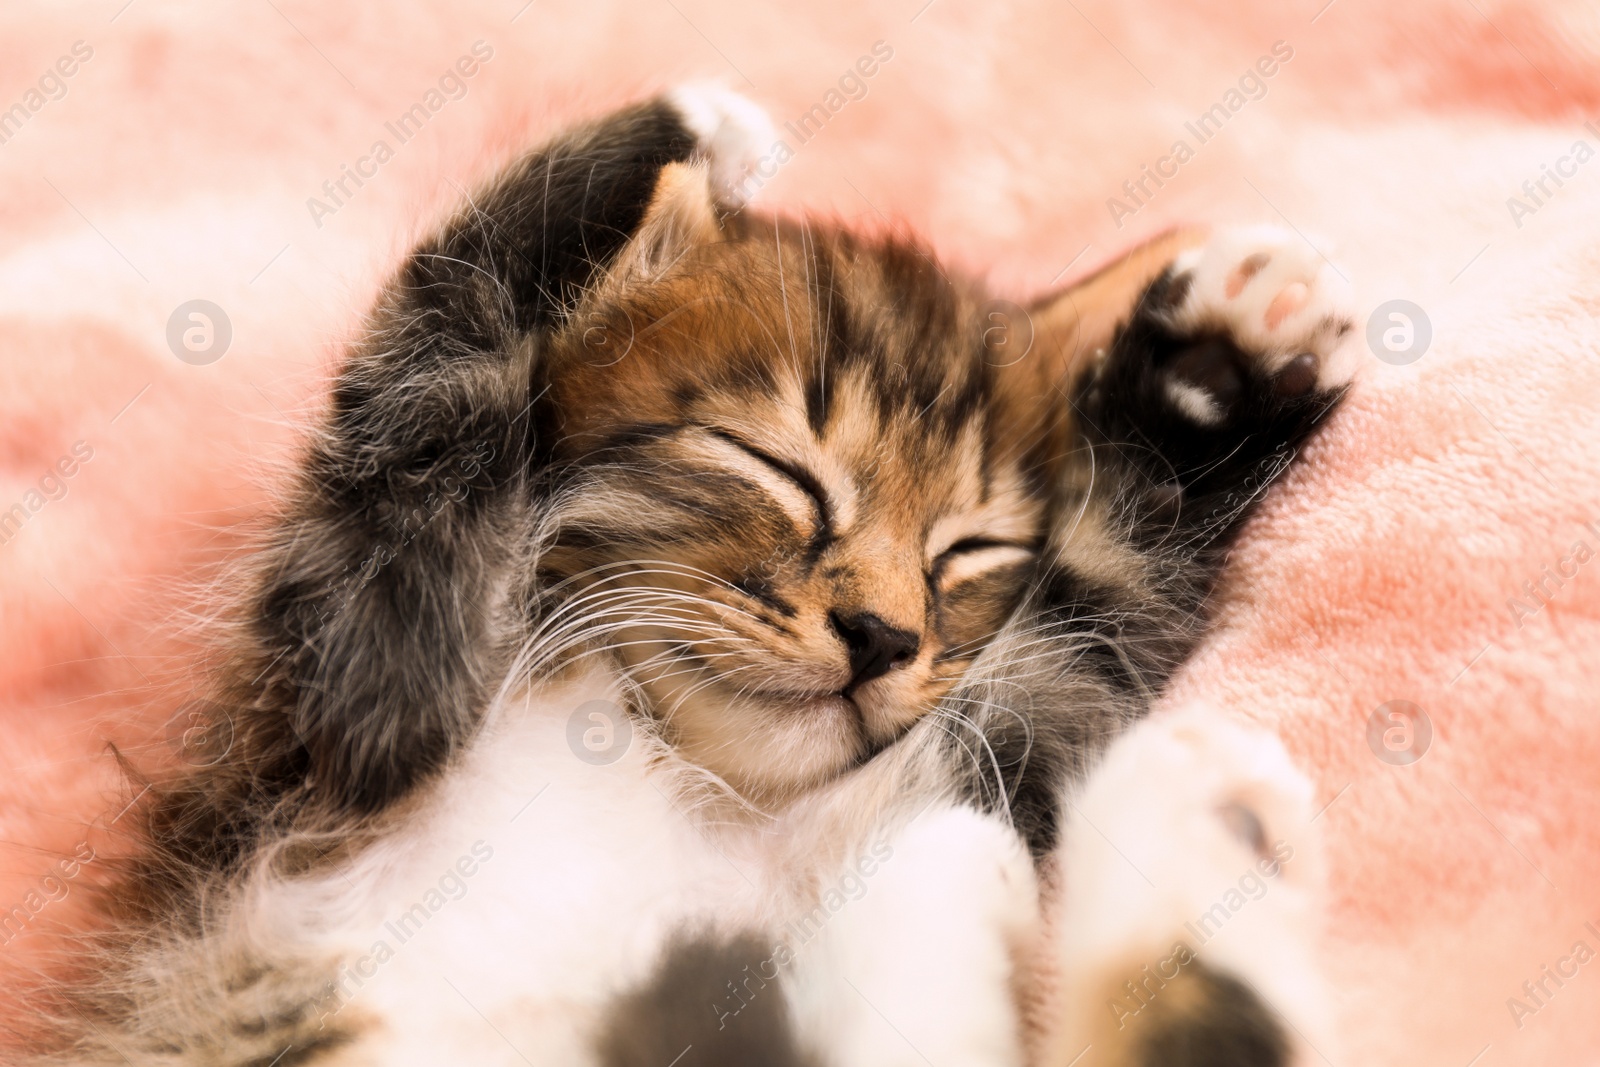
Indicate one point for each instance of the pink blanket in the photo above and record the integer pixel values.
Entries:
(1441, 548)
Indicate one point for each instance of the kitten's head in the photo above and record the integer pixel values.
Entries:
(800, 488)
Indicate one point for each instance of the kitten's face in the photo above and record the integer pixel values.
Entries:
(795, 508)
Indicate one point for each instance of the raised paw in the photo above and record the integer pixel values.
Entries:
(734, 133)
(1228, 362)
(1191, 900)
(1283, 307)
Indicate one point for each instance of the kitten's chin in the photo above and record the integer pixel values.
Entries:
(770, 746)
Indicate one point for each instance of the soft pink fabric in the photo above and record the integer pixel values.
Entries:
(179, 163)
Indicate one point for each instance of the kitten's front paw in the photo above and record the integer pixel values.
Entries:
(1192, 883)
(733, 131)
(1284, 307)
(1230, 359)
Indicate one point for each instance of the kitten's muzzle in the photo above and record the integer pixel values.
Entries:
(875, 647)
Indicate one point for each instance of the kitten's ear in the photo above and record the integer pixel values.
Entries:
(683, 213)
(1072, 324)
(1062, 332)
(693, 197)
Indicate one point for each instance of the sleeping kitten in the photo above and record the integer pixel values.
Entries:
(686, 627)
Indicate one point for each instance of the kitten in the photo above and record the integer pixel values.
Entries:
(684, 630)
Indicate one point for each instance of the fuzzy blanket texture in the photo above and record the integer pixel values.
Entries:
(1438, 548)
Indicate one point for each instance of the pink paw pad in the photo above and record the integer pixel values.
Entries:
(1290, 298)
(1241, 275)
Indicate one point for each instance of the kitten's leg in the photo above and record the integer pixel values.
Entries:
(372, 630)
(1229, 360)
(1191, 905)
(907, 955)
(910, 956)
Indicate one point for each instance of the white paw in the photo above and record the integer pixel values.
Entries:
(1276, 296)
(1190, 857)
(734, 132)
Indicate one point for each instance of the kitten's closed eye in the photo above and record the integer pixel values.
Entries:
(972, 556)
(801, 478)
(962, 560)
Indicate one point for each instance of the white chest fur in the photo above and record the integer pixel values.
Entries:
(507, 908)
